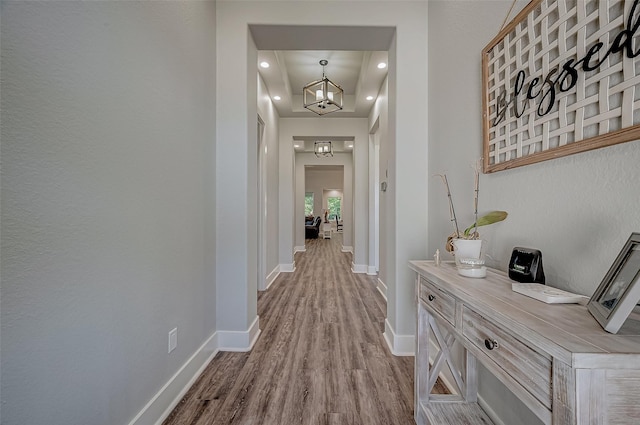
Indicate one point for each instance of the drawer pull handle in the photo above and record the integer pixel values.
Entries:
(490, 344)
(431, 297)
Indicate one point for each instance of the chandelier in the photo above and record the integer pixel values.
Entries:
(322, 96)
(322, 149)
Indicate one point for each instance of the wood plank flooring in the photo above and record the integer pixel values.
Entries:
(320, 360)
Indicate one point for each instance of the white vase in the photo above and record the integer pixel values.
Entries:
(465, 248)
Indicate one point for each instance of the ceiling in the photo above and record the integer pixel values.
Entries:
(356, 72)
(293, 53)
(338, 143)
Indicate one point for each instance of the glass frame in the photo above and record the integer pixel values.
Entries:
(619, 291)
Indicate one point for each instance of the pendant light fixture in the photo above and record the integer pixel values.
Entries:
(323, 149)
(322, 96)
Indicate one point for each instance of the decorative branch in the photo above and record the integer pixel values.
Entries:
(476, 170)
(452, 211)
(470, 232)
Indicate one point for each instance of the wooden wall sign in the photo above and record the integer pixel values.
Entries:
(563, 77)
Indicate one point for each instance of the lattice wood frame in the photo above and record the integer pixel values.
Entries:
(602, 109)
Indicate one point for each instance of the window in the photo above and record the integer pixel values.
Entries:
(308, 203)
(334, 208)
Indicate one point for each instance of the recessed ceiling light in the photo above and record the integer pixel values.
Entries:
(369, 97)
(266, 64)
(382, 65)
(296, 146)
(350, 145)
(276, 98)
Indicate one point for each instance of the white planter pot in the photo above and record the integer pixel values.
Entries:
(463, 248)
(468, 254)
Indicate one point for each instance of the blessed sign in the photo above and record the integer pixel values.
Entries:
(562, 78)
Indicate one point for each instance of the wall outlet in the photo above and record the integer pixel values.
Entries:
(173, 339)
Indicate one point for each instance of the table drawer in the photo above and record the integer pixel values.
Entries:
(532, 369)
(439, 300)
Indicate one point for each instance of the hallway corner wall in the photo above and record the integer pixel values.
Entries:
(407, 219)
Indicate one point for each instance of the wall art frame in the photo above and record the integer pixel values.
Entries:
(563, 77)
(619, 291)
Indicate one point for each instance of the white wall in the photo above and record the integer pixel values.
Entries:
(108, 121)
(236, 179)
(379, 125)
(269, 115)
(578, 210)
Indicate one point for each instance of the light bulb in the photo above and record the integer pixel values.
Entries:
(319, 95)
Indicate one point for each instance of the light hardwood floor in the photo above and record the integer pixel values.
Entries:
(321, 357)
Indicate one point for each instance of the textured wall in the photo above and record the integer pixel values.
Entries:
(108, 118)
(579, 210)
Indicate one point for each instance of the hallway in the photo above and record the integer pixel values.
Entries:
(321, 357)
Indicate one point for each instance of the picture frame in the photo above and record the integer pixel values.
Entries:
(619, 291)
(559, 79)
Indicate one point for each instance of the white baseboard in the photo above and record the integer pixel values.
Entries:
(400, 345)
(371, 270)
(346, 248)
(358, 268)
(382, 288)
(287, 268)
(163, 403)
(239, 340)
(272, 277)
(299, 249)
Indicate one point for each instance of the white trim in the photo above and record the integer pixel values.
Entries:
(165, 400)
(288, 268)
(382, 288)
(299, 249)
(358, 268)
(371, 270)
(400, 345)
(271, 277)
(489, 411)
(239, 340)
(347, 249)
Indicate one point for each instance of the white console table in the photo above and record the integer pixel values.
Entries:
(554, 357)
